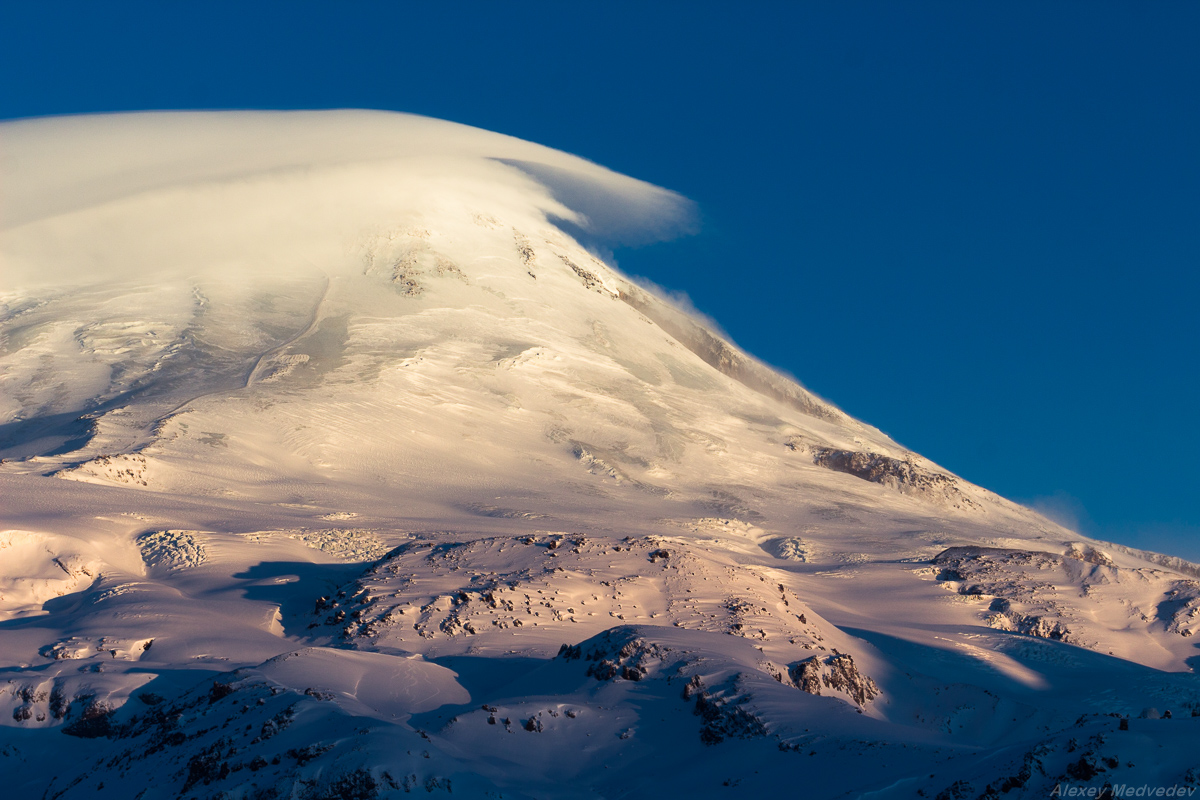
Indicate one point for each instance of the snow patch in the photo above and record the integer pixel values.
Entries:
(36, 567)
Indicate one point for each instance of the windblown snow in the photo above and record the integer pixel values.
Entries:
(336, 464)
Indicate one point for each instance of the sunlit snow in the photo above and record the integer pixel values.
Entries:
(338, 463)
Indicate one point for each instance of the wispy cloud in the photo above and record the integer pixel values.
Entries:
(1063, 509)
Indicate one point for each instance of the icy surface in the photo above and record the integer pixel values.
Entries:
(335, 466)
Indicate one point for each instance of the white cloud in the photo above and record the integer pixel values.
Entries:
(97, 198)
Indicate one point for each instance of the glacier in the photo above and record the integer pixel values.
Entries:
(337, 462)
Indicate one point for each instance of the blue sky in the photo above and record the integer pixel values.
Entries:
(974, 225)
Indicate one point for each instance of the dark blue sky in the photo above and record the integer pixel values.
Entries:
(974, 225)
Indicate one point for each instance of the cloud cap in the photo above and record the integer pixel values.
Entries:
(93, 194)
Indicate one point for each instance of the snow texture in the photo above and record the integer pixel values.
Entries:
(337, 465)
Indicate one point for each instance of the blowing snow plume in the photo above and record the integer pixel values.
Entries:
(333, 464)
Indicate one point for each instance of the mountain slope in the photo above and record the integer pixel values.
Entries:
(326, 441)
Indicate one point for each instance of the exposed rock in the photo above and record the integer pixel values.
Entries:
(219, 691)
(903, 475)
(844, 676)
(94, 722)
(837, 672)
(1023, 596)
(303, 755)
(1030, 625)
(356, 785)
(590, 280)
(604, 670)
(1089, 554)
(524, 249)
(1180, 608)
(724, 719)
(997, 572)
(613, 654)
(793, 549)
(208, 765)
(807, 675)
(384, 607)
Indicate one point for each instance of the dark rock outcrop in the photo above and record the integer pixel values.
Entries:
(837, 672)
(901, 474)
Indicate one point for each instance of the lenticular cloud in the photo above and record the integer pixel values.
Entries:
(97, 197)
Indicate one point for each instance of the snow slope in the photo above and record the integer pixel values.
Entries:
(336, 465)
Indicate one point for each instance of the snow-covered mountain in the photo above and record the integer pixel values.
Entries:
(336, 466)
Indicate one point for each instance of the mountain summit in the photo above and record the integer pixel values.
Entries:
(337, 463)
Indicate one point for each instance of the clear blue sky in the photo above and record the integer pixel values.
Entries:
(974, 225)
